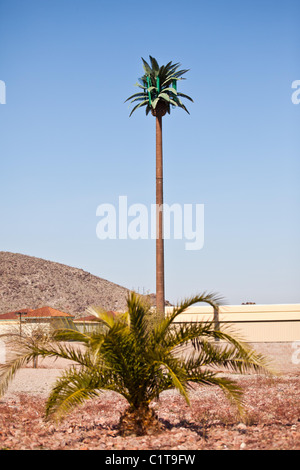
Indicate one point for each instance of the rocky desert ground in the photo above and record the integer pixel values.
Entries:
(272, 418)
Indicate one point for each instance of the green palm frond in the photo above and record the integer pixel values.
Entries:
(159, 85)
(70, 390)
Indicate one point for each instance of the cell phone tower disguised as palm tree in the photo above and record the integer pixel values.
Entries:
(159, 94)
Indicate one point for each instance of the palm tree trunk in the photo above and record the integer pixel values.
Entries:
(139, 421)
(160, 275)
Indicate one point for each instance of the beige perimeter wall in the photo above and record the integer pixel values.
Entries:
(255, 323)
(272, 330)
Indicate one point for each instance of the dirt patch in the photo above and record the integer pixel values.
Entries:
(273, 418)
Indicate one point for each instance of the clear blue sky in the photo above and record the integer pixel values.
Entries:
(67, 143)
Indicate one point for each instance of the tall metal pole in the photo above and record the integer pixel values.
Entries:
(160, 274)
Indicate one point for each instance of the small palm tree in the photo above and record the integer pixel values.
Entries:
(139, 359)
(159, 94)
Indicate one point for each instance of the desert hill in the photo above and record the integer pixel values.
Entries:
(29, 282)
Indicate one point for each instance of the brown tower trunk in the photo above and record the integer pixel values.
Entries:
(160, 272)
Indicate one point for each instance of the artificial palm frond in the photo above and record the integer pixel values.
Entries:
(159, 85)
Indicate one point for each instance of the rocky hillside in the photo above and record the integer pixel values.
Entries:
(29, 282)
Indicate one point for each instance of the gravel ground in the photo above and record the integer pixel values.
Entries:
(34, 382)
(272, 405)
